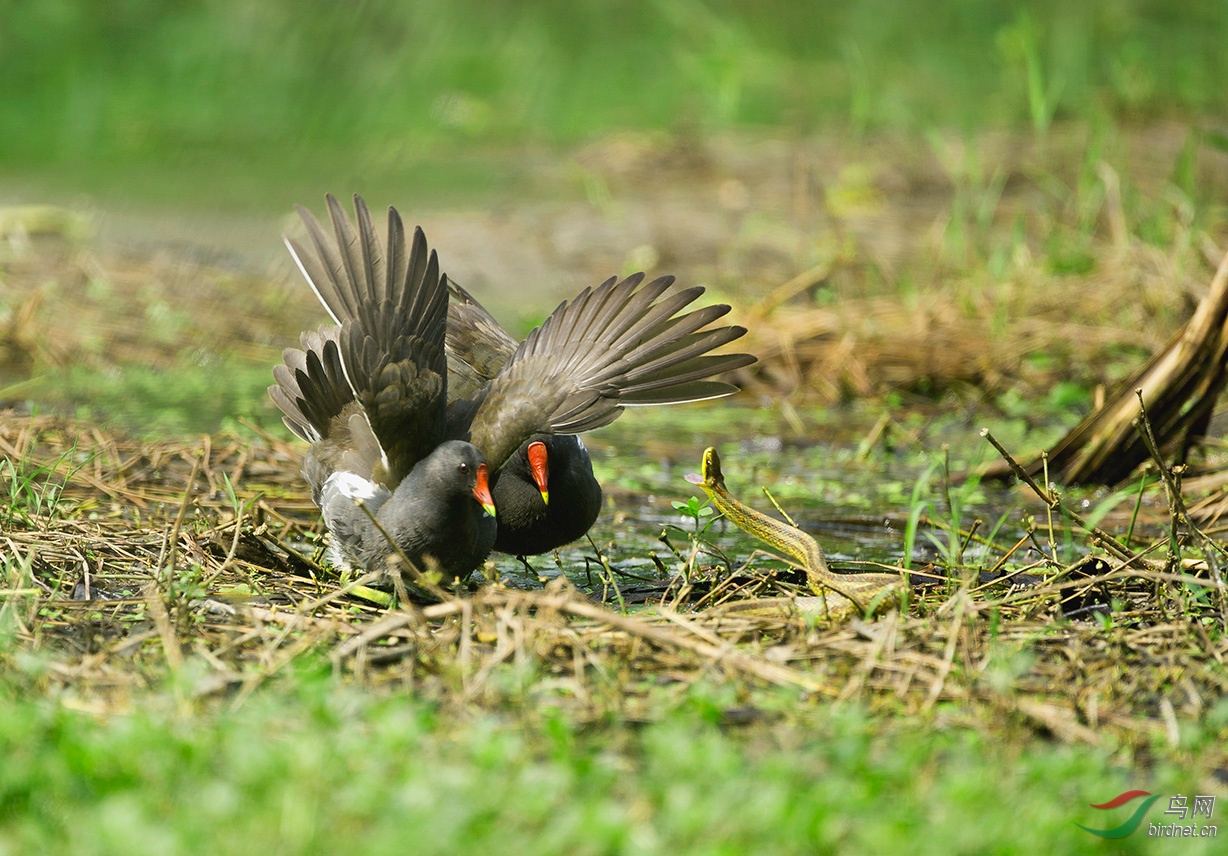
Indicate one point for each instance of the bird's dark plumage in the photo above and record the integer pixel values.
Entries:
(621, 343)
(370, 394)
(528, 525)
(431, 516)
(478, 347)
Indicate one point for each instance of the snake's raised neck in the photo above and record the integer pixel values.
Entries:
(862, 589)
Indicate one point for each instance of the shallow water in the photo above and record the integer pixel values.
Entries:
(855, 502)
(855, 498)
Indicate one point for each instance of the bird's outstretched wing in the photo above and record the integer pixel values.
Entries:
(622, 343)
(391, 305)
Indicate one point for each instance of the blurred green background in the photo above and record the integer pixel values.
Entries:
(148, 96)
(912, 145)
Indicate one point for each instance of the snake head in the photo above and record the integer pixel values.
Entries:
(712, 467)
(712, 476)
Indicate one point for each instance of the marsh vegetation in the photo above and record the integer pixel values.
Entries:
(931, 224)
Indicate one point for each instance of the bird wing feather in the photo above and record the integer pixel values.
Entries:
(623, 342)
(391, 309)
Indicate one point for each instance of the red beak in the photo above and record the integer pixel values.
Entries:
(481, 490)
(540, 468)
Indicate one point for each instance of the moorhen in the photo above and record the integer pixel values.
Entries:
(621, 343)
(545, 468)
(370, 395)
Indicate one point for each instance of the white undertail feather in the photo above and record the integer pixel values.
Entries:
(336, 556)
(352, 485)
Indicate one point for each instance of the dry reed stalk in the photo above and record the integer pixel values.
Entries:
(1179, 386)
(260, 606)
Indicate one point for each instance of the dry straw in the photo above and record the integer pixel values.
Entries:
(148, 566)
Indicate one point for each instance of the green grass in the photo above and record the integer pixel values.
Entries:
(139, 93)
(178, 400)
(316, 761)
(311, 764)
(270, 103)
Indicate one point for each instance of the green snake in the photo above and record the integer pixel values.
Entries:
(864, 591)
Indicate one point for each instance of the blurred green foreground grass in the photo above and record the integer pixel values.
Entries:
(314, 766)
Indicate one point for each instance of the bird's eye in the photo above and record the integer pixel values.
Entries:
(463, 468)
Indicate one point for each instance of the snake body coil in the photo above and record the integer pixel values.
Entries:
(864, 590)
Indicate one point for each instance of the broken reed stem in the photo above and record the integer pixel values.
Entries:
(1044, 459)
(240, 513)
(1142, 424)
(173, 548)
(609, 579)
(162, 623)
(1179, 512)
(948, 656)
(1098, 535)
(1009, 553)
(788, 518)
(976, 524)
(871, 439)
